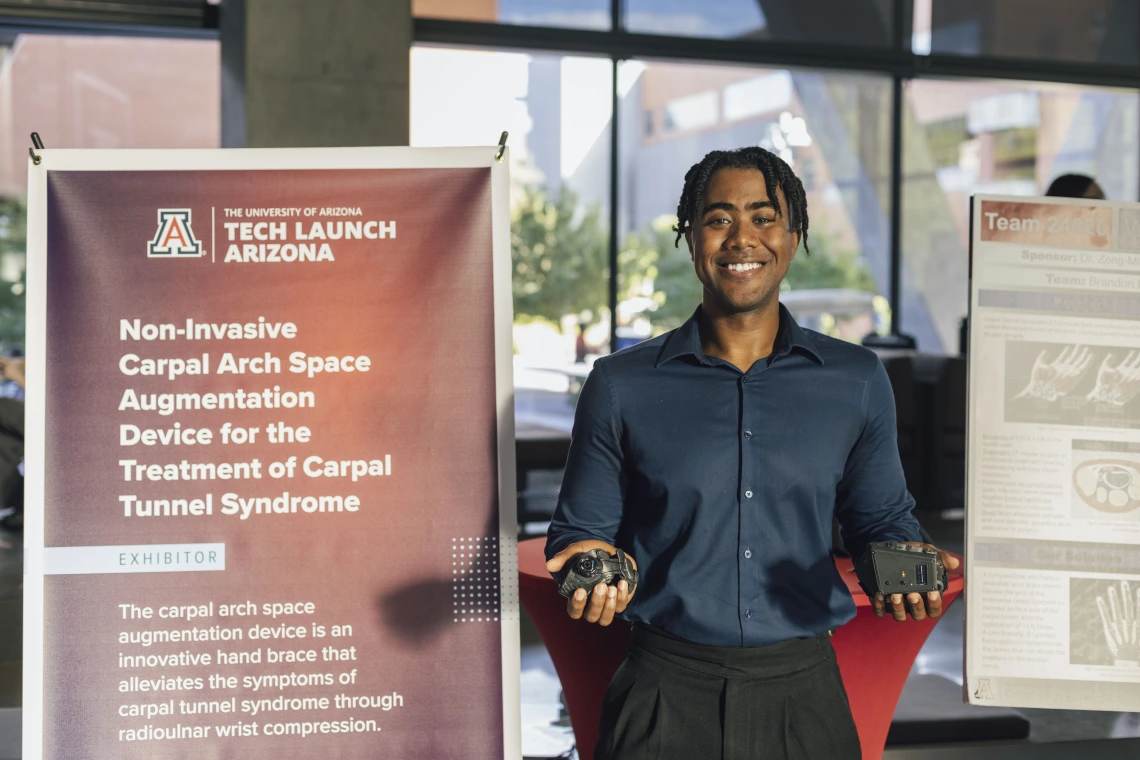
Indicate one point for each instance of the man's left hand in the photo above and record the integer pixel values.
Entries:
(919, 606)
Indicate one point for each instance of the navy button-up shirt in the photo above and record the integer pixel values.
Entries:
(722, 485)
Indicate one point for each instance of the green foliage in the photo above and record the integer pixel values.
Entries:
(13, 240)
(828, 267)
(560, 256)
(668, 270)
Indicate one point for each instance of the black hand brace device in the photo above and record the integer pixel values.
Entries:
(896, 568)
(593, 567)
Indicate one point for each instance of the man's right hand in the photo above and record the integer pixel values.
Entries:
(605, 601)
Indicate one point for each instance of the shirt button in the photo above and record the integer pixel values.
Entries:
(747, 433)
(748, 494)
(748, 613)
(744, 380)
(747, 554)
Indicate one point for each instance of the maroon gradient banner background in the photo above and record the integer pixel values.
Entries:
(420, 306)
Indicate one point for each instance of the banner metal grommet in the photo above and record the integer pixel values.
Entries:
(38, 144)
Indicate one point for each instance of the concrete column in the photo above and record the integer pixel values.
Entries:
(299, 73)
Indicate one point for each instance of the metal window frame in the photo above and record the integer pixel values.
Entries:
(898, 62)
(127, 18)
(621, 44)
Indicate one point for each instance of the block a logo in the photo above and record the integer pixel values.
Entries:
(175, 238)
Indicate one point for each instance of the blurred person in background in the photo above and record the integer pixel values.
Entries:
(1075, 186)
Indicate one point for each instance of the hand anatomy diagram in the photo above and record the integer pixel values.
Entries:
(1120, 616)
(1117, 384)
(1050, 380)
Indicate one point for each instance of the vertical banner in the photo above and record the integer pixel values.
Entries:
(270, 468)
(1053, 456)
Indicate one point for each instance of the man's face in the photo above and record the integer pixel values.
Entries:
(741, 248)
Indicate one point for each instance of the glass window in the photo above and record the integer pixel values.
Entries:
(834, 131)
(93, 92)
(987, 136)
(863, 23)
(558, 111)
(1088, 31)
(572, 14)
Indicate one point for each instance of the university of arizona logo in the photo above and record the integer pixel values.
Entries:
(174, 238)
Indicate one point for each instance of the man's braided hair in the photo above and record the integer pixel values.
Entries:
(776, 173)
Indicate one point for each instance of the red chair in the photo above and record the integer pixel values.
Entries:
(875, 655)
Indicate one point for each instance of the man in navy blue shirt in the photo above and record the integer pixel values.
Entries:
(716, 456)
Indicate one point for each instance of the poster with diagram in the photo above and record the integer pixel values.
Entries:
(1053, 458)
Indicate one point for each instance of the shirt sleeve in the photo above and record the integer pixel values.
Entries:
(593, 485)
(872, 502)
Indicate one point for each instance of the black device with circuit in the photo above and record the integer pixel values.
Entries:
(894, 568)
(593, 567)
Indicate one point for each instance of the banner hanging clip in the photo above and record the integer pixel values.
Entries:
(498, 154)
(38, 144)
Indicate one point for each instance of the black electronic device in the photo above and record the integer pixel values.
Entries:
(593, 567)
(894, 568)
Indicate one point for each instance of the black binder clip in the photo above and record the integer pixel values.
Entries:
(502, 147)
(37, 144)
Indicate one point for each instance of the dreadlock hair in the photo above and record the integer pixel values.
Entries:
(776, 173)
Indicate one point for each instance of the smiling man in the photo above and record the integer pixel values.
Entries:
(716, 456)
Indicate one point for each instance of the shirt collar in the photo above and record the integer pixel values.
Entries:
(686, 340)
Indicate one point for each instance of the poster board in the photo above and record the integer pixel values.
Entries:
(270, 456)
(1053, 455)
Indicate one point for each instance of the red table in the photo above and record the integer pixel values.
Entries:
(875, 654)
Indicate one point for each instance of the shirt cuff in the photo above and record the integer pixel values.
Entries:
(562, 540)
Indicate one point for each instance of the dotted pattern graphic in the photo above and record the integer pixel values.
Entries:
(475, 579)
